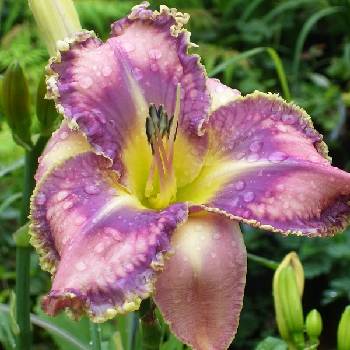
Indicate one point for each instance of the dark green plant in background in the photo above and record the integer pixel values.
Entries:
(300, 48)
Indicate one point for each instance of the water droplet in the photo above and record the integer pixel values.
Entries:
(248, 196)
(193, 93)
(62, 195)
(155, 54)
(217, 235)
(79, 220)
(99, 247)
(86, 82)
(106, 71)
(64, 135)
(128, 47)
(277, 157)
(289, 118)
(137, 73)
(256, 146)
(92, 189)
(67, 205)
(41, 199)
(80, 266)
(253, 157)
(213, 255)
(240, 185)
(154, 67)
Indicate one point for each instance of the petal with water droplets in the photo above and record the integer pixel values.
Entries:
(106, 89)
(99, 242)
(269, 167)
(200, 292)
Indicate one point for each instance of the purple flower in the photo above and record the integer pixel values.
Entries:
(141, 189)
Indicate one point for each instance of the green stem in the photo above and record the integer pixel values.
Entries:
(151, 332)
(23, 253)
(95, 335)
(263, 261)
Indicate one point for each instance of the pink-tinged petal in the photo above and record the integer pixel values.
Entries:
(63, 144)
(200, 291)
(106, 88)
(220, 94)
(99, 242)
(269, 167)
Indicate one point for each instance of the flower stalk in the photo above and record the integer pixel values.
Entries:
(23, 251)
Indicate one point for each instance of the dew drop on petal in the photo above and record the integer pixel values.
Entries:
(86, 82)
(289, 118)
(248, 197)
(217, 235)
(62, 195)
(253, 157)
(154, 67)
(106, 71)
(129, 47)
(91, 189)
(80, 266)
(277, 157)
(256, 146)
(155, 54)
(79, 220)
(138, 74)
(240, 185)
(67, 205)
(41, 199)
(64, 135)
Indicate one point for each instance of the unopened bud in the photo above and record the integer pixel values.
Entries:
(16, 106)
(56, 19)
(313, 325)
(45, 110)
(288, 284)
(344, 330)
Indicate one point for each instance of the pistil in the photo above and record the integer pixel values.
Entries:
(161, 133)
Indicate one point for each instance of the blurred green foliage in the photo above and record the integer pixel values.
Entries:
(312, 39)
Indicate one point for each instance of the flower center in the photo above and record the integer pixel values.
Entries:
(161, 130)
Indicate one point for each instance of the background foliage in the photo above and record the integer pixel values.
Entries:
(312, 40)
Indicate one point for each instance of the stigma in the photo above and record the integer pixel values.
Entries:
(161, 131)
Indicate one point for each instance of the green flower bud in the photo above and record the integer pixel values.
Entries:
(313, 325)
(344, 330)
(45, 110)
(16, 106)
(56, 19)
(288, 284)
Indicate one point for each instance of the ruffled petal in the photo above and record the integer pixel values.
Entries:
(63, 144)
(220, 94)
(269, 167)
(200, 291)
(100, 243)
(106, 88)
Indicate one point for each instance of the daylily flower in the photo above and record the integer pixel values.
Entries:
(141, 190)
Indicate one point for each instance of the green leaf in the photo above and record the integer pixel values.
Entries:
(21, 236)
(271, 343)
(77, 329)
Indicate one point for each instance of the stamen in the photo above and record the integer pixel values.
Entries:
(174, 124)
(161, 134)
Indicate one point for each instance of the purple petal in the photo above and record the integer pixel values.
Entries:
(106, 87)
(269, 167)
(100, 243)
(200, 292)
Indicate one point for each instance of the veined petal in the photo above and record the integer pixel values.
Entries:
(100, 243)
(106, 89)
(200, 291)
(269, 167)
